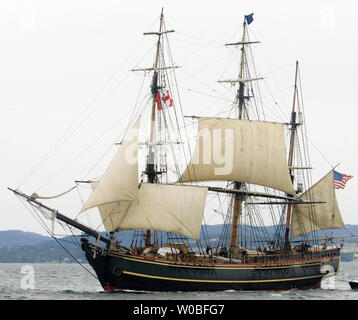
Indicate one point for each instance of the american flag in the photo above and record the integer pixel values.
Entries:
(340, 179)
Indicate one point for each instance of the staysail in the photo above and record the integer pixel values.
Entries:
(240, 150)
(307, 218)
(125, 205)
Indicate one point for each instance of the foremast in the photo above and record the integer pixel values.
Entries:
(151, 172)
(150, 169)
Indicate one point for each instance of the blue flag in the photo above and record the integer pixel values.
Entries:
(249, 18)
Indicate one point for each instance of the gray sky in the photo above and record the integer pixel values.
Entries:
(64, 65)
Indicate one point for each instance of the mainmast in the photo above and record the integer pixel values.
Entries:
(293, 127)
(237, 185)
(238, 199)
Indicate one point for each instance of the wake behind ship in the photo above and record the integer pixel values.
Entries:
(240, 160)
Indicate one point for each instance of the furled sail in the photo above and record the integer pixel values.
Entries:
(307, 218)
(120, 180)
(168, 208)
(240, 150)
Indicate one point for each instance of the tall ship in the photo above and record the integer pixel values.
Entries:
(170, 168)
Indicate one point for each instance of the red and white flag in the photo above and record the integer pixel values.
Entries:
(167, 97)
(165, 101)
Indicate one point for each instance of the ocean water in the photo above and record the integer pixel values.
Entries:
(73, 282)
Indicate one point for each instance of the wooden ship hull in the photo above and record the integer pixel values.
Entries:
(124, 271)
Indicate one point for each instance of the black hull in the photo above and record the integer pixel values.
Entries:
(129, 272)
(354, 285)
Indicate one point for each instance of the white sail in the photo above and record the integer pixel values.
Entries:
(240, 150)
(120, 180)
(123, 205)
(107, 210)
(320, 216)
(168, 208)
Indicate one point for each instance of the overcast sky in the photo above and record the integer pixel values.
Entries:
(64, 68)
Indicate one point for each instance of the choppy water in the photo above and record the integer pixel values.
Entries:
(72, 282)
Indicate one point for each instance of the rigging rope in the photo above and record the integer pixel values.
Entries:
(36, 196)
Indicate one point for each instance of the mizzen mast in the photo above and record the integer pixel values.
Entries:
(293, 127)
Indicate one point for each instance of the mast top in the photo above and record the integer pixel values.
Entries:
(159, 33)
(244, 42)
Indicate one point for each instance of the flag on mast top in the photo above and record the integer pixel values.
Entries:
(249, 18)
